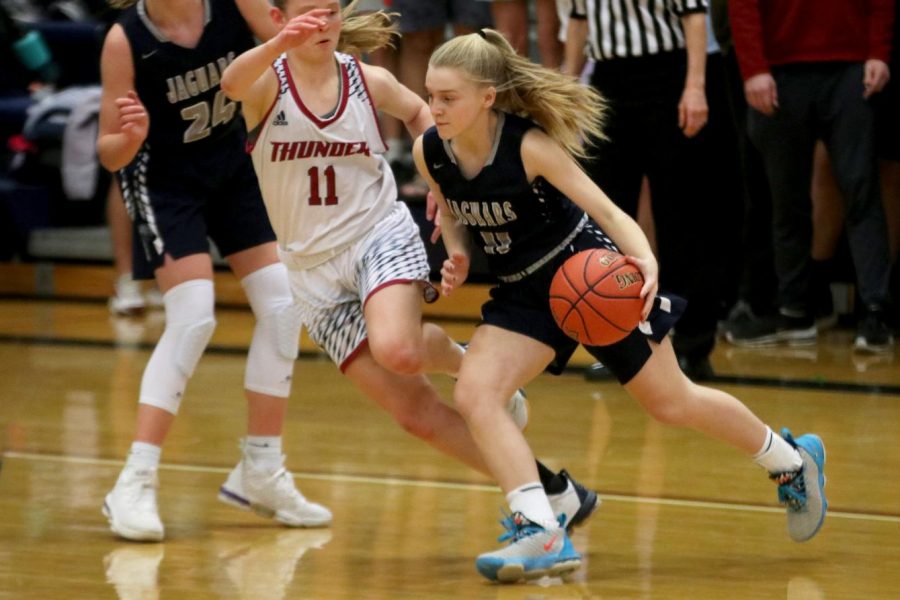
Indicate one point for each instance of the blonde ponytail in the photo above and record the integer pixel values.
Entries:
(366, 32)
(567, 110)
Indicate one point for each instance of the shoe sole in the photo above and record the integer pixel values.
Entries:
(860, 345)
(515, 572)
(772, 340)
(228, 497)
(130, 534)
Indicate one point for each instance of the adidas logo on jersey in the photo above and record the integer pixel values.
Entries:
(280, 119)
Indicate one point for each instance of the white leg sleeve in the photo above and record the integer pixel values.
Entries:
(276, 337)
(189, 326)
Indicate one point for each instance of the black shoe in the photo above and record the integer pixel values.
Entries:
(770, 330)
(697, 369)
(598, 372)
(576, 502)
(872, 334)
(740, 313)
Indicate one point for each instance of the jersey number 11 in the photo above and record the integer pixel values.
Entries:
(330, 194)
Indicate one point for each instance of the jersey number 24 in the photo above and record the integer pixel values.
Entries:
(202, 119)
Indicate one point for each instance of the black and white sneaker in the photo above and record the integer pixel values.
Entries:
(575, 504)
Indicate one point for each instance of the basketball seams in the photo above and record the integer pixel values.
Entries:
(589, 314)
(610, 268)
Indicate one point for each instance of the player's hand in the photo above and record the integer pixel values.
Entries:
(134, 122)
(762, 93)
(650, 271)
(876, 76)
(433, 214)
(693, 111)
(297, 30)
(454, 273)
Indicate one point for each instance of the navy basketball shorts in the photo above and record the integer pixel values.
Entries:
(178, 203)
(524, 307)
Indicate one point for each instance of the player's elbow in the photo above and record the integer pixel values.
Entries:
(110, 160)
(230, 88)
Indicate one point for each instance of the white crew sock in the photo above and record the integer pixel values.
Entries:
(531, 500)
(265, 451)
(777, 456)
(143, 456)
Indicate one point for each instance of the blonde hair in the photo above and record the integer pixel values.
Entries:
(566, 109)
(364, 32)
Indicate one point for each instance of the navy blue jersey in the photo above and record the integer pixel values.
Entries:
(180, 86)
(517, 223)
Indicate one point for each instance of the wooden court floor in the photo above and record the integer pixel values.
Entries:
(682, 516)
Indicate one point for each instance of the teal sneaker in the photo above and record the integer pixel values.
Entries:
(803, 491)
(533, 552)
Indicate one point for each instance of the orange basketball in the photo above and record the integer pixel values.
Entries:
(595, 297)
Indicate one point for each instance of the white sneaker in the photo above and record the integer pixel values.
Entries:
(154, 298)
(518, 409)
(131, 506)
(271, 494)
(128, 300)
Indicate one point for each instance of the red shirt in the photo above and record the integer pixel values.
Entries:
(778, 32)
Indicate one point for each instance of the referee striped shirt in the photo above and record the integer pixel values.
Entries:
(632, 28)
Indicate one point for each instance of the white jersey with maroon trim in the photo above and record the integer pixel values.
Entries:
(324, 179)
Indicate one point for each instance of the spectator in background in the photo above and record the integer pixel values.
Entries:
(757, 285)
(651, 66)
(810, 69)
(887, 139)
(27, 66)
(512, 19)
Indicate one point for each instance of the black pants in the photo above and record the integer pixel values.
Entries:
(758, 284)
(645, 140)
(822, 101)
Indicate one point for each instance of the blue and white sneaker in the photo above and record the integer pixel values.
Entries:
(803, 491)
(533, 552)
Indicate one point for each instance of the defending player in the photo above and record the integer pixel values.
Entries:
(357, 264)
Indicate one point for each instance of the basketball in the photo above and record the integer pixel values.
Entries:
(595, 297)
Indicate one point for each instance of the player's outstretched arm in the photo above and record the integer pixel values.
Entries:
(239, 77)
(397, 100)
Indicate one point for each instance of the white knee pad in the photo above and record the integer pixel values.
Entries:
(189, 326)
(276, 337)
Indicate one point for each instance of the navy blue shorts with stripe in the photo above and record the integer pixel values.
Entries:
(177, 203)
(524, 307)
